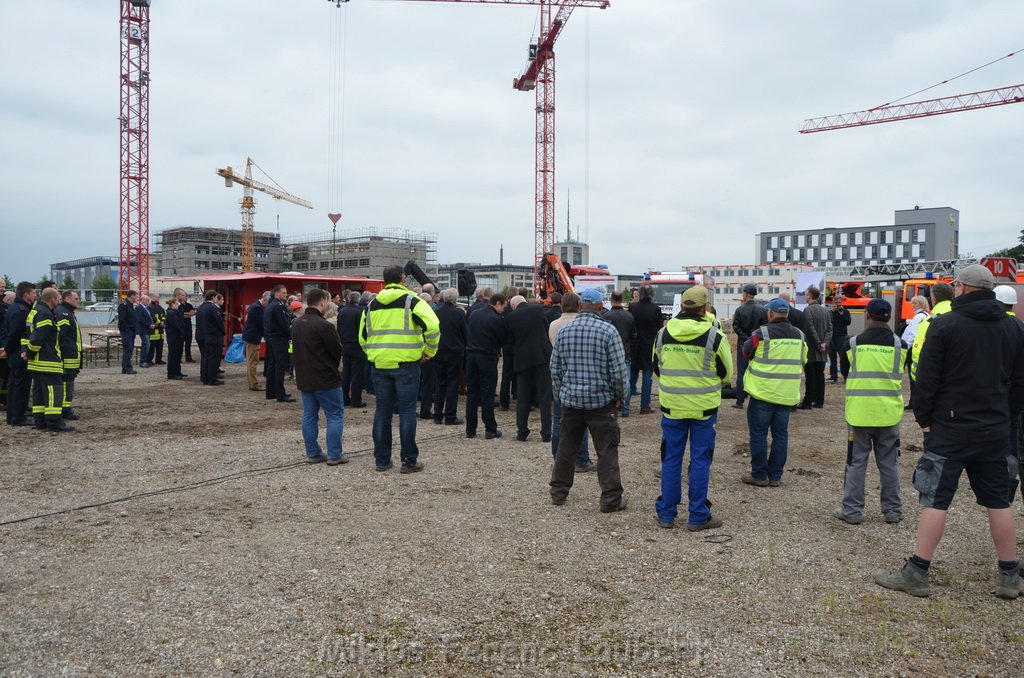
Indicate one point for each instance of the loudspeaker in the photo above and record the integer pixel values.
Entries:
(466, 282)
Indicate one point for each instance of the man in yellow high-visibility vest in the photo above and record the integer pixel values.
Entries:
(398, 331)
(874, 409)
(691, 358)
(777, 353)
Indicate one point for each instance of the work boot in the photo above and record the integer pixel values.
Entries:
(71, 415)
(911, 579)
(751, 479)
(60, 428)
(1009, 584)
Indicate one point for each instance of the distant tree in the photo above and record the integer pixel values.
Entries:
(44, 279)
(8, 282)
(1016, 252)
(104, 287)
(69, 283)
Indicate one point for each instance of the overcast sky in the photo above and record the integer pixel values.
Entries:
(694, 111)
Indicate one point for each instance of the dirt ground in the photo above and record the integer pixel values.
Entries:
(204, 545)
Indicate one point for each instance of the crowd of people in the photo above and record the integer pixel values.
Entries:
(573, 366)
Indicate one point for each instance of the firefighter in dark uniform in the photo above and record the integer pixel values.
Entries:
(277, 331)
(46, 366)
(3, 340)
(156, 337)
(18, 380)
(70, 337)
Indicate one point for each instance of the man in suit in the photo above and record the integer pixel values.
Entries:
(528, 331)
(252, 336)
(353, 371)
(144, 325)
(820, 319)
(648, 319)
(126, 326)
(210, 326)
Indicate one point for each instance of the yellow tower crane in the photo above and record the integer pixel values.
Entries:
(248, 203)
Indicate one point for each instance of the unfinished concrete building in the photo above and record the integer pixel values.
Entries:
(185, 250)
(361, 252)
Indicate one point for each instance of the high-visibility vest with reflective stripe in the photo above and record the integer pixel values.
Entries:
(69, 336)
(874, 387)
(43, 346)
(774, 372)
(688, 383)
(390, 334)
(922, 334)
(29, 323)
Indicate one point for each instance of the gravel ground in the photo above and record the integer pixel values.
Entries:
(243, 560)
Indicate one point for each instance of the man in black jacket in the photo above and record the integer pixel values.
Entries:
(484, 339)
(18, 382)
(69, 335)
(969, 379)
(839, 362)
(210, 327)
(316, 356)
(187, 312)
(648, 319)
(748, 317)
(178, 327)
(353, 360)
(252, 337)
(451, 356)
(126, 326)
(277, 330)
(156, 340)
(528, 330)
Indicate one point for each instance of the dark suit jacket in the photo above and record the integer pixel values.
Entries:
(647, 315)
(528, 330)
(210, 323)
(453, 331)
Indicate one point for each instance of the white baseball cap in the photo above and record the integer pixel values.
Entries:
(1006, 295)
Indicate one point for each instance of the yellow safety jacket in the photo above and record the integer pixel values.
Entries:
(922, 331)
(69, 336)
(43, 346)
(29, 320)
(398, 327)
(874, 387)
(687, 353)
(773, 375)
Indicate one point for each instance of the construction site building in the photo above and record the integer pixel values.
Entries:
(186, 250)
(361, 252)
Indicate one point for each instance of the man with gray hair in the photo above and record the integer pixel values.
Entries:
(820, 319)
(353, 358)
(252, 335)
(451, 356)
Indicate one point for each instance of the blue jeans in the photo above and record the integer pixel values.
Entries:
(702, 444)
(481, 380)
(144, 352)
(583, 458)
(761, 417)
(645, 388)
(741, 369)
(330, 400)
(399, 386)
(127, 348)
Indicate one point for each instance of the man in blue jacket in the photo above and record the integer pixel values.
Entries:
(252, 335)
(144, 325)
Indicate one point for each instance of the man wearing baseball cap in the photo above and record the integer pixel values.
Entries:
(692, 359)
(777, 353)
(874, 410)
(970, 379)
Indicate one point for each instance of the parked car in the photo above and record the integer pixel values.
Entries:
(101, 306)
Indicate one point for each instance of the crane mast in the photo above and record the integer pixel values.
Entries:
(539, 75)
(133, 258)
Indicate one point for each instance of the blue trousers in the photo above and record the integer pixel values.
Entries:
(399, 386)
(702, 443)
(330, 401)
(762, 417)
(646, 377)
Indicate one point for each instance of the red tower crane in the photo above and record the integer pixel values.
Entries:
(917, 109)
(540, 75)
(133, 271)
